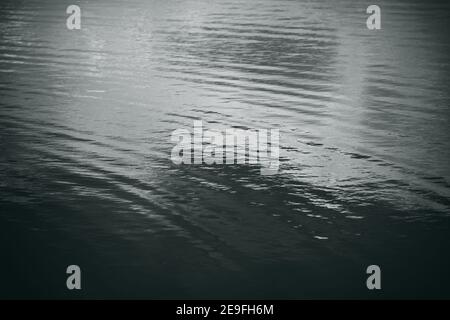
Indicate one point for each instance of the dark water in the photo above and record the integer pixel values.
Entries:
(85, 171)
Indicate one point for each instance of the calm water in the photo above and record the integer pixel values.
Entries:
(85, 171)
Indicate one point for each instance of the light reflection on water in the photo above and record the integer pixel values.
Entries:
(86, 118)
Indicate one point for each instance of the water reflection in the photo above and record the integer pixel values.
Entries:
(86, 119)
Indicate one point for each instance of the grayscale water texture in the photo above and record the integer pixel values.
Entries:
(86, 177)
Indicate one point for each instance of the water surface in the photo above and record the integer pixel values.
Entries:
(85, 170)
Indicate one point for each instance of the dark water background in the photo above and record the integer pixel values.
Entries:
(86, 178)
